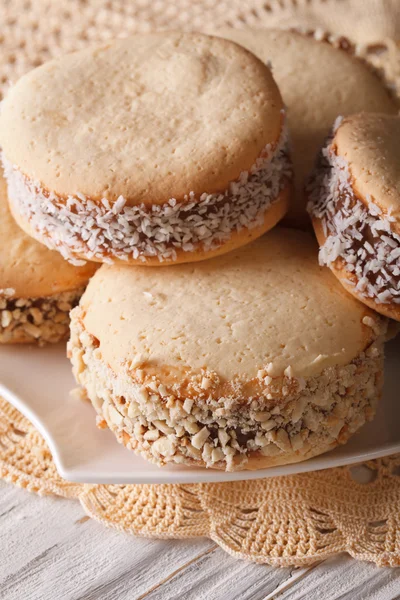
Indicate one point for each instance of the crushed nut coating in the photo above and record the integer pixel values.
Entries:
(39, 320)
(295, 417)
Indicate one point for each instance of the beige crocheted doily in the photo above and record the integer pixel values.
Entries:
(293, 520)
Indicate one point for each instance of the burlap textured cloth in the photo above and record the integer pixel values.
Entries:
(293, 520)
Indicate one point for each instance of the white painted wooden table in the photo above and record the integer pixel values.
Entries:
(49, 550)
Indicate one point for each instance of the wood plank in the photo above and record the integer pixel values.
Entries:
(51, 550)
(158, 585)
(45, 546)
(216, 576)
(295, 576)
(345, 578)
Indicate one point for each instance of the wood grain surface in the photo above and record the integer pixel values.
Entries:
(49, 550)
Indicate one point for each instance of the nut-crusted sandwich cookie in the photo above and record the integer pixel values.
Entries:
(318, 82)
(355, 205)
(38, 287)
(155, 149)
(255, 358)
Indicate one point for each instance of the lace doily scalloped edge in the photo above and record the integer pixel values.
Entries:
(295, 520)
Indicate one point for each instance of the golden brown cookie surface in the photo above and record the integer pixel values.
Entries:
(318, 82)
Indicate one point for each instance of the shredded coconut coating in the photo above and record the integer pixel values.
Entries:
(78, 227)
(225, 433)
(39, 320)
(359, 236)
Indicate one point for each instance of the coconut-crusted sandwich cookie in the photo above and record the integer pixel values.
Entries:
(355, 206)
(38, 287)
(155, 149)
(252, 359)
(318, 81)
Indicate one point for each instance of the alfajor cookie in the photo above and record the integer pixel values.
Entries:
(38, 287)
(318, 82)
(355, 206)
(252, 359)
(160, 148)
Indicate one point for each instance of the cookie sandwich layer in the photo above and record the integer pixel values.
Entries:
(359, 236)
(41, 320)
(188, 367)
(311, 417)
(165, 147)
(195, 227)
(38, 288)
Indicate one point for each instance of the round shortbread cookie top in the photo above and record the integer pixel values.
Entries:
(30, 269)
(370, 143)
(267, 305)
(318, 83)
(152, 117)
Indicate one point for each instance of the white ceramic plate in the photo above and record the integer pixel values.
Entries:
(38, 381)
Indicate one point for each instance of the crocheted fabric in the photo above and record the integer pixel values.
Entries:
(293, 520)
(33, 31)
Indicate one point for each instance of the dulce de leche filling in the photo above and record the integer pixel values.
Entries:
(359, 238)
(78, 226)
